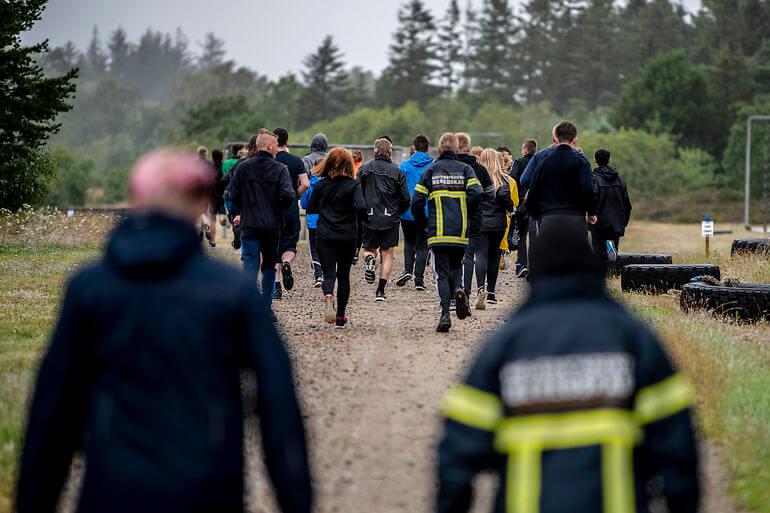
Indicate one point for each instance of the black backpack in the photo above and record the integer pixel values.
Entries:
(610, 207)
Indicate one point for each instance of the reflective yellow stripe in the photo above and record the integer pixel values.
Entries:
(472, 182)
(473, 407)
(439, 217)
(447, 240)
(421, 189)
(464, 215)
(617, 476)
(524, 477)
(663, 399)
(448, 194)
(567, 430)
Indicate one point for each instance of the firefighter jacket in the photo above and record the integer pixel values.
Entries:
(577, 408)
(453, 194)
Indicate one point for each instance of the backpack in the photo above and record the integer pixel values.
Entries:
(610, 207)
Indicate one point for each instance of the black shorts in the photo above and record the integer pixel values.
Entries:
(382, 239)
(290, 232)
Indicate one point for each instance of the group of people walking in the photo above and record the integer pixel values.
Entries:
(573, 403)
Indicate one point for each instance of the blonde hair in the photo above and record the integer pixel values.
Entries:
(476, 151)
(493, 161)
(447, 142)
(463, 142)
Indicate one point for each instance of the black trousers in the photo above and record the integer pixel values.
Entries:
(469, 260)
(447, 264)
(488, 260)
(415, 249)
(600, 247)
(336, 259)
(522, 225)
(315, 263)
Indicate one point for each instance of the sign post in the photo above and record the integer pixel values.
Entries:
(707, 231)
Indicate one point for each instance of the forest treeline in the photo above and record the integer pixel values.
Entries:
(667, 90)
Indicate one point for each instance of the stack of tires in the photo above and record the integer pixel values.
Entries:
(660, 278)
(750, 246)
(745, 302)
(624, 259)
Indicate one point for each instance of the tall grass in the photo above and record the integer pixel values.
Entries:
(30, 227)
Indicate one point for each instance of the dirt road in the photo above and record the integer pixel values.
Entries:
(371, 395)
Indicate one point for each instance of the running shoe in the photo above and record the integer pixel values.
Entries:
(380, 296)
(277, 292)
(370, 269)
(319, 280)
(340, 322)
(355, 258)
(207, 232)
(491, 298)
(461, 300)
(452, 305)
(403, 279)
(444, 323)
(419, 285)
(330, 314)
(212, 244)
(236, 243)
(523, 273)
(481, 303)
(288, 278)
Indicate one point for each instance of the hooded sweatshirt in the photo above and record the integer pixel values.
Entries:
(319, 147)
(413, 170)
(613, 206)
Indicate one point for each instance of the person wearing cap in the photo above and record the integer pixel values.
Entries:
(142, 378)
(573, 402)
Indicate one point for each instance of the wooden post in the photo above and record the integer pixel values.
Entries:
(708, 252)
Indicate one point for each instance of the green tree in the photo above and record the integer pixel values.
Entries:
(492, 66)
(325, 83)
(93, 64)
(413, 66)
(734, 160)
(671, 94)
(213, 52)
(450, 47)
(73, 178)
(29, 105)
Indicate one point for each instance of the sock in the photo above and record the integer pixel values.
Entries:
(381, 286)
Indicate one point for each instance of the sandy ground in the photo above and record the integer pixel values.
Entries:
(371, 395)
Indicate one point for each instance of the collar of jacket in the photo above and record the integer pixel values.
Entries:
(466, 158)
(569, 286)
(263, 153)
(383, 157)
(447, 155)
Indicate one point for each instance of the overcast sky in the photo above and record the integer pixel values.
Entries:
(271, 37)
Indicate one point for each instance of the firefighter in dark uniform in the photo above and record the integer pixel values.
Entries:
(573, 403)
(453, 193)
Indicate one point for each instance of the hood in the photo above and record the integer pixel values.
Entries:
(607, 173)
(151, 245)
(420, 159)
(319, 143)
(466, 158)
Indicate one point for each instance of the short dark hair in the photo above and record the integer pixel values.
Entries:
(421, 143)
(235, 148)
(504, 149)
(565, 132)
(283, 136)
(530, 145)
(386, 137)
(217, 156)
(602, 157)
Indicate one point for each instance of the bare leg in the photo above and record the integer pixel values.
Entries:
(387, 262)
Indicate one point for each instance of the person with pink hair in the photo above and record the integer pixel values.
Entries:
(142, 379)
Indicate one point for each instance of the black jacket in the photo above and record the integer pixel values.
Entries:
(485, 180)
(260, 189)
(385, 191)
(613, 206)
(144, 378)
(453, 194)
(495, 213)
(562, 185)
(584, 410)
(517, 169)
(338, 202)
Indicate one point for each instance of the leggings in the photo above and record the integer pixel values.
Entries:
(488, 259)
(336, 259)
(313, 247)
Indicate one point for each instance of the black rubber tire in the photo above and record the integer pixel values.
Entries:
(748, 302)
(663, 277)
(625, 259)
(750, 246)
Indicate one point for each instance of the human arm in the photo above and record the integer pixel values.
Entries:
(525, 180)
(286, 193)
(627, 203)
(359, 202)
(421, 193)
(234, 190)
(58, 411)
(313, 200)
(304, 183)
(586, 185)
(507, 194)
(404, 201)
(473, 190)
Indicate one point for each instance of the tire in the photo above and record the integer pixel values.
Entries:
(750, 246)
(748, 302)
(625, 259)
(663, 277)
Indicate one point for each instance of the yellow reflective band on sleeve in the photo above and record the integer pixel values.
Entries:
(472, 182)
(421, 189)
(663, 399)
(473, 407)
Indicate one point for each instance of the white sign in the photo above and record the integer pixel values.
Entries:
(707, 229)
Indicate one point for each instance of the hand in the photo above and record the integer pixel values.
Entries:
(593, 219)
(237, 220)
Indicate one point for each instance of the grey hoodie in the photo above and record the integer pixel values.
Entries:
(319, 147)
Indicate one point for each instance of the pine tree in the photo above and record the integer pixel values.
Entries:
(413, 66)
(325, 83)
(213, 52)
(120, 52)
(491, 66)
(450, 47)
(29, 105)
(534, 48)
(95, 56)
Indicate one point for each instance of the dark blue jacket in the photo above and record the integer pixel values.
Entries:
(576, 406)
(145, 379)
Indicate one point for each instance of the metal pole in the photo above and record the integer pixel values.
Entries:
(747, 192)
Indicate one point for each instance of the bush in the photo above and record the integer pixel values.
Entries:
(24, 178)
(73, 178)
